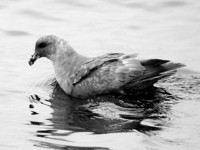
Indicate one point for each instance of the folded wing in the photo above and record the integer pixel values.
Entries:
(117, 72)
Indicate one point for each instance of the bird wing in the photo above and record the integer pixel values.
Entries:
(117, 72)
(93, 64)
(107, 73)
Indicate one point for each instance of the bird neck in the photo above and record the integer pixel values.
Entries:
(65, 64)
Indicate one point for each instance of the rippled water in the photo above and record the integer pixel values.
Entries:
(36, 114)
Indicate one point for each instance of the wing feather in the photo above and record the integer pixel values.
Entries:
(93, 64)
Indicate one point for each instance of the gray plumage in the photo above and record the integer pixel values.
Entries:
(81, 76)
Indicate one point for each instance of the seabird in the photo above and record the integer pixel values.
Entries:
(81, 76)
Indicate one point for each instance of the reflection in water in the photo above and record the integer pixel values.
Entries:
(144, 112)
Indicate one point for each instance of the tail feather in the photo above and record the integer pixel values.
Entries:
(156, 69)
(153, 62)
(160, 76)
(172, 66)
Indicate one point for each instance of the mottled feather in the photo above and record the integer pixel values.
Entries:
(92, 65)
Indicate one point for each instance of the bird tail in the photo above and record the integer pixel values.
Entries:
(156, 69)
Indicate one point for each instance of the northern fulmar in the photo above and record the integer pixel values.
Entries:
(82, 77)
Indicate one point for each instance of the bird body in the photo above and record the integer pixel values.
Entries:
(81, 76)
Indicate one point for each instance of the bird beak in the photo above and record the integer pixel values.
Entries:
(33, 58)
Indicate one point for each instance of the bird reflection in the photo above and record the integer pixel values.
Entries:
(107, 113)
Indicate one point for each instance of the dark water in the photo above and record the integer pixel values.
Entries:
(37, 114)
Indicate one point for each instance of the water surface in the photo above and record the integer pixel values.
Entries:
(35, 114)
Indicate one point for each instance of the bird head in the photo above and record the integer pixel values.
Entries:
(45, 46)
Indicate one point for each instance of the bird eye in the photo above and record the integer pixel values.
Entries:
(42, 45)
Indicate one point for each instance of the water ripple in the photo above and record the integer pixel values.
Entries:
(14, 32)
(39, 15)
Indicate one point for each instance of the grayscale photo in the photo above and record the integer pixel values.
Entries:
(100, 75)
